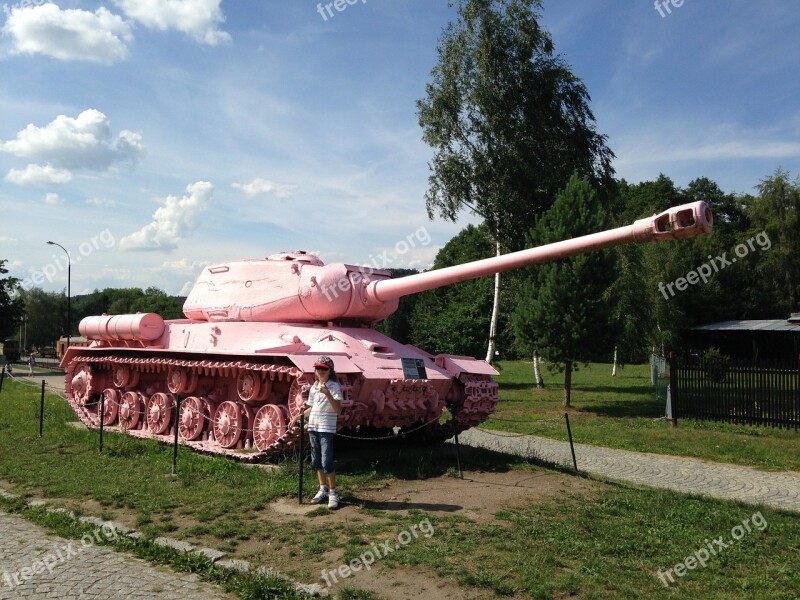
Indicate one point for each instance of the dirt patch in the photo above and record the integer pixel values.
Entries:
(478, 497)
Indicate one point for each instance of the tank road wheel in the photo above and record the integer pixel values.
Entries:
(228, 424)
(124, 376)
(159, 412)
(181, 380)
(248, 384)
(130, 409)
(270, 424)
(298, 394)
(110, 406)
(192, 418)
(82, 388)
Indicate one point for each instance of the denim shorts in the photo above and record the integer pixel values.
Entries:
(321, 451)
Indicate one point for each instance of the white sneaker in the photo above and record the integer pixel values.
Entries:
(322, 496)
(333, 499)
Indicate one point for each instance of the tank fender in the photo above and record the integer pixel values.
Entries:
(456, 365)
(341, 362)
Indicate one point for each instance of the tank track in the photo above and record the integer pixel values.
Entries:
(87, 411)
(473, 402)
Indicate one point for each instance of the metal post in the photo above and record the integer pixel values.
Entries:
(69, 290)
(673, 386)
(300, 458)
(175, 446)
(41, 411)
(102, 418)
(2, 377)
(571, 446)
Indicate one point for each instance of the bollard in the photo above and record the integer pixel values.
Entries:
(300, 458)
(175, 446)
(102, 414)
(571, 447)
(41, 411)
(2, 377)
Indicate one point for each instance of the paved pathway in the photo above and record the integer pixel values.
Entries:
(690, 475)
(34, 564)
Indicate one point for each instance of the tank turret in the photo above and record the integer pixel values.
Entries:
(231, 375)
(299, 287)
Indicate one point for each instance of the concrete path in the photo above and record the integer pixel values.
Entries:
(34, 564)
(689, 475)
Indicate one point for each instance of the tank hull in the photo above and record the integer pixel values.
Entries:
(235, 386)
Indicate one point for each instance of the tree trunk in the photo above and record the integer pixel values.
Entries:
(614, 368)
(537, 371)
(495, 313)
(567, 384)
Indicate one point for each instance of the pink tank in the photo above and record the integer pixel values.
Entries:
(242, 360)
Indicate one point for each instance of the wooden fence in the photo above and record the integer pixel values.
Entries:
(735, 391)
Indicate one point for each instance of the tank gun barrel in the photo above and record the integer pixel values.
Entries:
(677, 223)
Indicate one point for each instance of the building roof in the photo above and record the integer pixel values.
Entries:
(783, 325)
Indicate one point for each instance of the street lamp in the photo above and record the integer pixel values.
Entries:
(25, 319)
(69, 294)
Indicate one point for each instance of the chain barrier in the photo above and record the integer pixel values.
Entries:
(399, 434)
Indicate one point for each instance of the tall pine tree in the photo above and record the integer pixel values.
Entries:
(562, 310)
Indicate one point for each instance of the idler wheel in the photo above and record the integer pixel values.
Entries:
(248, 385)
(181, 380)
(159, 412)
(228, 424)
(82, 388)
(270, 425)
(130, 410)
(125, 376)
(192, 418)
(110, 406)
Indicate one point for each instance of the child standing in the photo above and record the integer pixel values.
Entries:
(324, 405)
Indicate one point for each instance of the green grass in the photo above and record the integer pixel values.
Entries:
(610, 541)
(622, 412)
(615, 546)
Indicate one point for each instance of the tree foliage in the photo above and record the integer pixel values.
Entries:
(508, 121)
(11, 306)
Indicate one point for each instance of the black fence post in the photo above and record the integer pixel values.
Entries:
(454, 411)
(300, 458)
(571, 446)
(175, 445)
(672, 391)
(2, 377)
(41, 411)
(102, 418)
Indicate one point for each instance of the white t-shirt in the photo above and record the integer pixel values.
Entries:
(323, 418)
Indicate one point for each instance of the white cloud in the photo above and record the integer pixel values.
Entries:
(172, 221)
(4, 239)
(263, 186)
(83, 142)
(183, 266)
(38, 175)
(185, 269)
(53, 199)
(197, 18)
(71, 34)
(101, 202)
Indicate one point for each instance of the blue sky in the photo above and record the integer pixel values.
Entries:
(152, 137)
